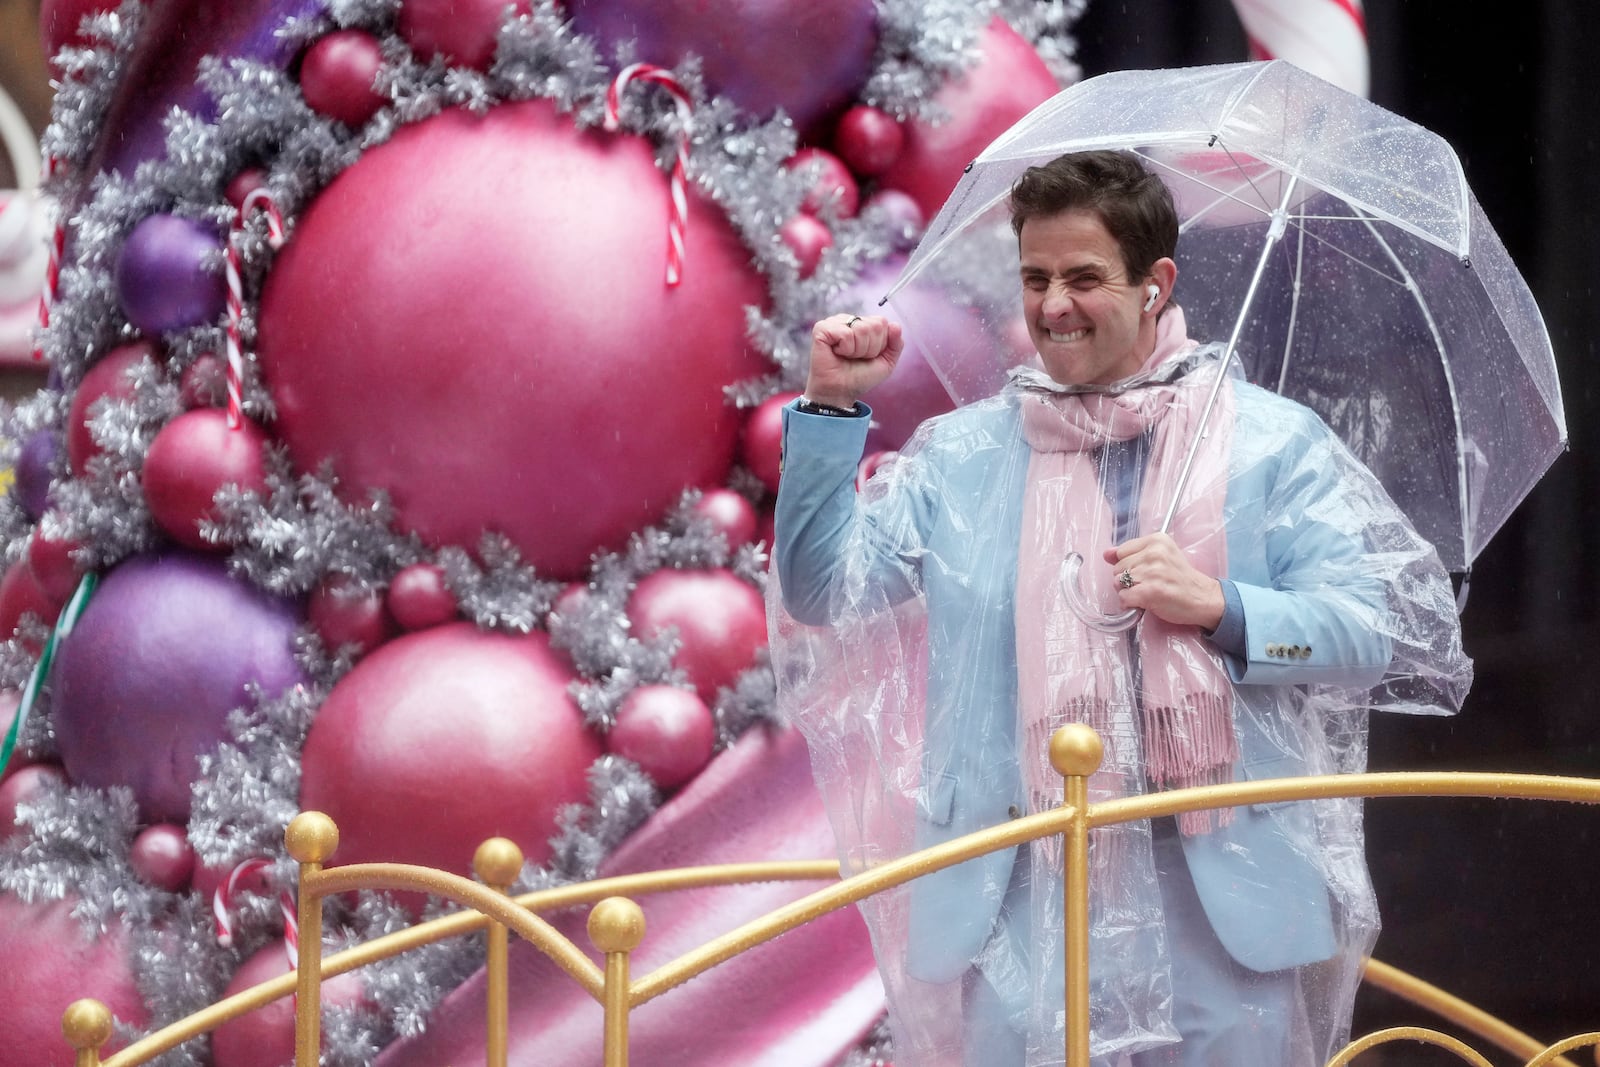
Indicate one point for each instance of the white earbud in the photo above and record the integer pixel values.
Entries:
(1155, 294)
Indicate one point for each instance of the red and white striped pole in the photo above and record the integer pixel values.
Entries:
(258, 200)
(1326, 37)
(52, 274)
(678, 222)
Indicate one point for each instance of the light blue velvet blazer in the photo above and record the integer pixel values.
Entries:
(1301, 580)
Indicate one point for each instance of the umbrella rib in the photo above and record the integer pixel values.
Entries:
(1357, 260)
(1294, 308)
(1450, 384)
(1222, 194)
(1266, 204)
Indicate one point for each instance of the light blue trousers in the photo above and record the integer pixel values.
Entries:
(1225, 1012)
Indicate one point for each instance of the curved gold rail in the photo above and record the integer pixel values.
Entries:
(616, 925)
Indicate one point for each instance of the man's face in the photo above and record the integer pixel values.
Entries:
(1084, 313)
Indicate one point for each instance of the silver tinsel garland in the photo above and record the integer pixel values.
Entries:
(302, 531)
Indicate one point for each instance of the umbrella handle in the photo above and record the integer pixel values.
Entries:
(1091, 616)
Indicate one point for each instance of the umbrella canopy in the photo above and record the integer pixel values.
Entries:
(1335, 243)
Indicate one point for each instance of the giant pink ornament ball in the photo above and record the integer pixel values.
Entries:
(190, 460)
(1008, 82)
(445, 737)
(808, 59)
(163, 652)
(474, 318)
(48, 959)
(265, 1037)
(720, 620)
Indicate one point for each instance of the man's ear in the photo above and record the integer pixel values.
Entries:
(1163, 275)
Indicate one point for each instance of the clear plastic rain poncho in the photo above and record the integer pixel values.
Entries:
(896, 641)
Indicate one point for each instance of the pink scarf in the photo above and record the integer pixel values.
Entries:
(1181, 714)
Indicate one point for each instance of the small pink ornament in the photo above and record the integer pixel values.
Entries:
(419, 597)
(832, 182)
(761, 447)
(869, 140)
(20, 595)
(22, 785)
(667, 731)
(191, 458)
(109, 377)
(345, 614)
(720, 620)
(729, 513)
(464, 32)
(265, 1037)
(162, 856)
(244, 183)
(337, 76)
(807, 237)
(54, 569)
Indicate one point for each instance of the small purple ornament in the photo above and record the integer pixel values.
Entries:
(168, 276)
(808, 59)
(34, 462)
(161, 655)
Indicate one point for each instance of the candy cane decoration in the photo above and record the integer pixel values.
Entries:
(223, 908)
(679, 221)
(1326, 37)
(52, 274)
(258, 200)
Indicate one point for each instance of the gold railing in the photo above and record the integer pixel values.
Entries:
(616, 923)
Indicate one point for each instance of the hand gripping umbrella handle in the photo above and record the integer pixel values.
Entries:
(1093, 618)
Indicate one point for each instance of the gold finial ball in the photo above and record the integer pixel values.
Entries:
(498, 861)
(616, 925)
(311, 837)
(87, 1024)
(1075, 750)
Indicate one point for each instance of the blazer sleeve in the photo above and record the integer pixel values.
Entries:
(830, 541)
(1320, 615)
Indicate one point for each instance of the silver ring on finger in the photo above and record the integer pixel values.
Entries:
(853, 320)
(1126, 580)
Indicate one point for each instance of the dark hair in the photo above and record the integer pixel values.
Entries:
(1132, 203)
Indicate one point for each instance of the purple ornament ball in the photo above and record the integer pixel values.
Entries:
(163, 652)
(34, 462)
(808, 59)
(168, 277)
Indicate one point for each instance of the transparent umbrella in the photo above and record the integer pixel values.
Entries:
(1334, 245)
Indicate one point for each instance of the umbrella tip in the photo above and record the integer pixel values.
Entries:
(1466, 262)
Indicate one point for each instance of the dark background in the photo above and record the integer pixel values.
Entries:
(1495, 901)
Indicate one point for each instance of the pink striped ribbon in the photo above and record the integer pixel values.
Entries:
(678, 223)
(223, 908)
(52, 275)
(258, 200)
(1326, 37)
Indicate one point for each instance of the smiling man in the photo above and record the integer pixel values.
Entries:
(1278, 601)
